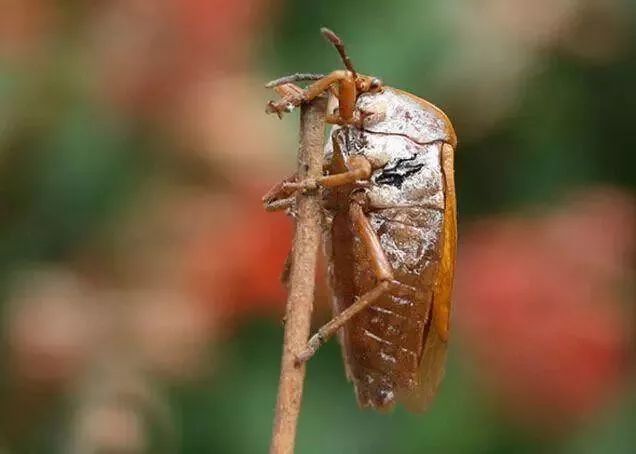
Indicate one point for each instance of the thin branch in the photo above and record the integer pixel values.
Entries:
(302, 279)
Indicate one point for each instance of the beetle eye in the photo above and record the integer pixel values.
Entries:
(376, 84)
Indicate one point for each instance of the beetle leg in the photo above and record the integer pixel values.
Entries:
(280, 204)
(381, 268)
(277, 196)
(292, 96)
(360, 119)
(334, 119)
(364, 230)
(359, 169)
(346, 92)
(331, 327)
(281, 195)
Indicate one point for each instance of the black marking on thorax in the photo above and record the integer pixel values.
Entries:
(399, 171)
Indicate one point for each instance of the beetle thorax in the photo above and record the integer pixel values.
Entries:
(401, 136)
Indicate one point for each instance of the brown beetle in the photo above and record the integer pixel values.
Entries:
(389, 200)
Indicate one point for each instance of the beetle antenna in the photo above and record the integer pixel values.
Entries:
(339, 45)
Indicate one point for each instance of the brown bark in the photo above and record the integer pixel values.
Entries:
(302, 278)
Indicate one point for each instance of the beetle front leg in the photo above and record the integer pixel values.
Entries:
(293, 96)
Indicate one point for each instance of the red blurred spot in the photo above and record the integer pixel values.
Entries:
(237, 266)
(540, 306)
(24, 26)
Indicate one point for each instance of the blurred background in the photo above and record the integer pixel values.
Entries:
(140, 303)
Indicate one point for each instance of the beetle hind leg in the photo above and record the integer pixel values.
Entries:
(381, 266)
(330, 328)
(382, 270)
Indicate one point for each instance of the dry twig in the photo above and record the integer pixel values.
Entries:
(302, 279)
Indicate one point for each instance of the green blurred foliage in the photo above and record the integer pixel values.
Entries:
(229, 413)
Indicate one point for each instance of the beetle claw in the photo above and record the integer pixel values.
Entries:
(285, 104)
(272, 107)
